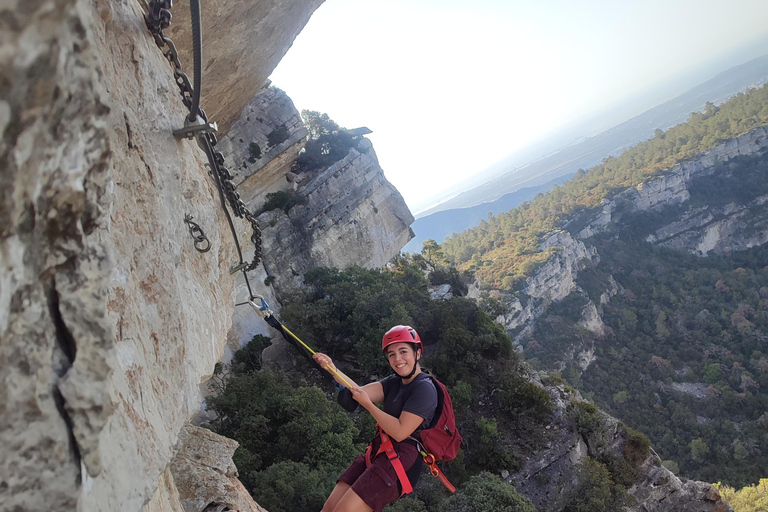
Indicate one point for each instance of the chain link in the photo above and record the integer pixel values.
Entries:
(159, 18)
(202, 244)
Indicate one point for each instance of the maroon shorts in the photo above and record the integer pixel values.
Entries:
(377, 485)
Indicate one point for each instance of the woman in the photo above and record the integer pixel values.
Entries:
(409, 403)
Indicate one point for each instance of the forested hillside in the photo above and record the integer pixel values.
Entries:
(504, 250)
(685, 359)
(679, 348)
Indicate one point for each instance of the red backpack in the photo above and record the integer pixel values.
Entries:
(441, 439)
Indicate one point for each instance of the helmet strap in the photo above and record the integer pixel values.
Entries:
(415, 366)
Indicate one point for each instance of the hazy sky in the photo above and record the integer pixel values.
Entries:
(450, 87)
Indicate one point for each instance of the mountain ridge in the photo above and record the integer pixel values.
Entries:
(570, 157)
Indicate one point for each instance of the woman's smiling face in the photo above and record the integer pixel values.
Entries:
(402, 358)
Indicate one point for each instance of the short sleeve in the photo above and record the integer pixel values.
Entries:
(422, 400)
(386, 384)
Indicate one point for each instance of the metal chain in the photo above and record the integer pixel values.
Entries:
(157, 19)
(202, 244)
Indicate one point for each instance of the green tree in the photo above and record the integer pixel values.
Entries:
(712, 373)
(271, 419)
(433, 254)
(487, 493)
(699, 449)
(318, 124)
(593, 493)
(289, 486)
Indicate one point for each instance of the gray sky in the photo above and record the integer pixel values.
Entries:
(450, 87)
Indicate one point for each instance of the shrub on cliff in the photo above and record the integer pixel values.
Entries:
(596, 490)
(327, 143)
(254, 150)
(272, 420)
(278, 135)
(275, 200)
(487, 493)
(752, 498)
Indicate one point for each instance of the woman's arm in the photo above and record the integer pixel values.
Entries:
(397, 428)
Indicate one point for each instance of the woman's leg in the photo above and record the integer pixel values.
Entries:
(351, 502)
(335, 496)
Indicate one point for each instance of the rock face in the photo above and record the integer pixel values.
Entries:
(56, 352)
(202, 476)
(109, 319)
(717, 230)
(550, 475)
(661, 491)
(699, 230)
(557, 277)
(270, 110)
(348, 215)
(702, 230)
(242, 44)
(554, 281)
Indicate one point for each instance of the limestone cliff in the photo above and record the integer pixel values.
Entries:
(202, 476)
(549, 475)
(551, 283)
(244, 42)
(670, 211)
(349, 215)
(109, 319)
(345, 215)
(700, 230)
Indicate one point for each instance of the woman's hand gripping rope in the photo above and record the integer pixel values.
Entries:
(325, 362)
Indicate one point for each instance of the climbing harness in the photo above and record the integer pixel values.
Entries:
(196, 124)
(388, 448)
(434, 470)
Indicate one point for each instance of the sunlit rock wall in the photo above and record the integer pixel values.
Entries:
(109, 319)
(244, 42)
(269, 110)
(202, 476)
(350, 215)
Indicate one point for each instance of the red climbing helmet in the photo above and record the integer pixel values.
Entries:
(401, 334)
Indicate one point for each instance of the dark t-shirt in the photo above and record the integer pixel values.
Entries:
(418, 397)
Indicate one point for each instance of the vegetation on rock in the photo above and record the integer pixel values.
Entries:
(254, 150)
(327, 144)
(278, 135)
(753, 498)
